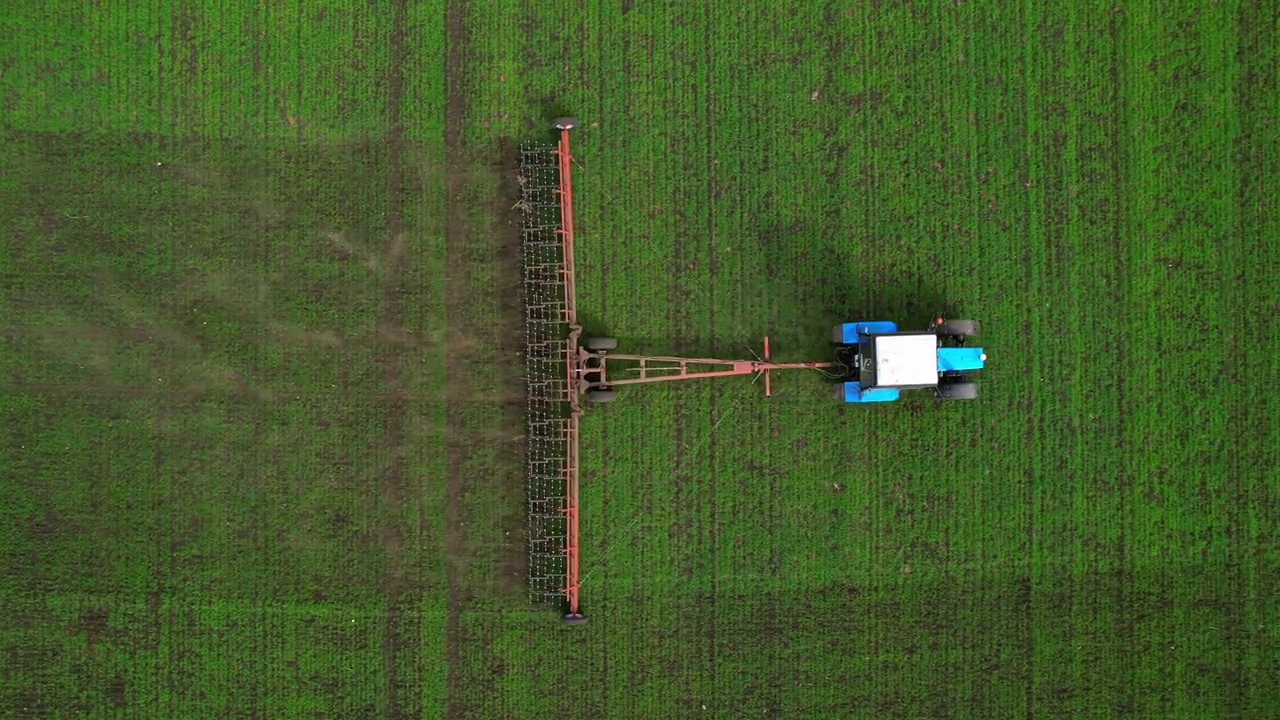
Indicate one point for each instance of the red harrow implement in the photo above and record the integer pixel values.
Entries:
(562, 367)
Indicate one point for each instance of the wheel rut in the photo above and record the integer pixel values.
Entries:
(393, 400)
(456, 43)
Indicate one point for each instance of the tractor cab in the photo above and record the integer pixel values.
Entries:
(882, 361)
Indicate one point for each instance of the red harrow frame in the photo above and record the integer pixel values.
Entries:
(562, 367)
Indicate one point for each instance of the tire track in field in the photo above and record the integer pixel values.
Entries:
(1034, 282)
(1124, 572)
(690, 500)
(711, 191)
(1240, 627)
(603, 294)
(456, 42)
(391, 312)
(1051, 194)
(684, 511)
(763, 465)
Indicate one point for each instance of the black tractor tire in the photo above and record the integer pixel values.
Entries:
(963, 390)
(601, 343)
(565, 123)
(601, 395)
(957, 328)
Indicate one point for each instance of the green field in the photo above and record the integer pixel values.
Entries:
(261, 369)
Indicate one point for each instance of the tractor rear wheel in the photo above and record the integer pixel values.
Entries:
(958, 391)
(957, 328)
(601, 343)
(600, 395)
(564, 123)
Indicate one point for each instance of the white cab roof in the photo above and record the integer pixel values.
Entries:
(906, 360)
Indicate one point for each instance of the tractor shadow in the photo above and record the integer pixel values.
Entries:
(822, 281)
(816, 280)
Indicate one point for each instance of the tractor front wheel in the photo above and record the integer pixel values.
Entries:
(600, 395)
(957, 328)
(601, 343)
(958, 391)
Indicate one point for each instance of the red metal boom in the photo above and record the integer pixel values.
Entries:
(592, 368)
(571, 318)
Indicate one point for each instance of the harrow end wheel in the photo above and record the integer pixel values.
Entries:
(574, 619)
(564, 123)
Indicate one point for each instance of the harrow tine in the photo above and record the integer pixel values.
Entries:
(548, 433)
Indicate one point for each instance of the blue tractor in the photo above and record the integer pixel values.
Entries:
(882, 361)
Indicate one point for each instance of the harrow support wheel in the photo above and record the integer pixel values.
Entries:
(574, 619)
(601, 343)
(565, 123)
(601, 395)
